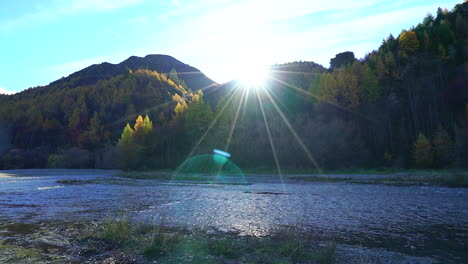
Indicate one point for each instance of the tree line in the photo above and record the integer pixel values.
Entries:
(403, 105)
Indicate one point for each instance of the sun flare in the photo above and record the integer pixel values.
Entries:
(252, 75)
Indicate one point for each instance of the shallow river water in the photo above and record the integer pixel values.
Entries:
(417, 220)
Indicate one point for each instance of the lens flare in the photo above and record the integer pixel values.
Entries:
(252, 75)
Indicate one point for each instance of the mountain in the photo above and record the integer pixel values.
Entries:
(192, 77)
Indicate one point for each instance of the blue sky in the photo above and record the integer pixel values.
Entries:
(41, 41)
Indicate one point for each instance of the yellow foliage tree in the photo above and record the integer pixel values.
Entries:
(138, 124)
(181, 105)
(422, 152)
(408, 41)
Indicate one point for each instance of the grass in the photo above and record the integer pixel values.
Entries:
(321, 178)
(173, 245)
(14, 253)
(117, 231)
(326, 255)
(351, 171)
(74, 182)
(225, 247)
(158, 175)
(146, 175)
(162, 243)
(448, 178)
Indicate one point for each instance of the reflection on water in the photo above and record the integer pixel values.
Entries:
(430, 221)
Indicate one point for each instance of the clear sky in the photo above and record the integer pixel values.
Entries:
(44, 40)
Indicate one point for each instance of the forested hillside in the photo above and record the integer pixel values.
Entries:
(403, 105)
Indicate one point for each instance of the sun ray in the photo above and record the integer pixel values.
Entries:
(319, 98)
(213, 122)
(272, 145)
(291, 129)
(247, 94)
(234, 122)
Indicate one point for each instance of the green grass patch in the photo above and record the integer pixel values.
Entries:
(16, 253)
(320, 178)
(117, 231)
(225, 247)
(173, 245)
(146, 175)
(162, 243)
(198, 178)
(157, 175)
(448, 178)
(326, 255)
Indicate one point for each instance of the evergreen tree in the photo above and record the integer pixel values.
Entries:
(162, 118)
(342, 59)
(95, 131)
(75, 118)
(428, 20)
(130, 112)
(127, 149)
(427, 41)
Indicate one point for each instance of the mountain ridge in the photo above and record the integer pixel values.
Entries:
(161, 63)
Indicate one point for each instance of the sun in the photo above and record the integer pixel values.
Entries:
(252, 75)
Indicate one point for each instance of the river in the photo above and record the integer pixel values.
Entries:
(416, 220)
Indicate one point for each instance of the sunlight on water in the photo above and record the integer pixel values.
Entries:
(49, 187)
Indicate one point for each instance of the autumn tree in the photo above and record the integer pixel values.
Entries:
(328, 88)
(138, 129)
(147, 126)
(443, 148)
(408, 41)
(181, 105)
(422, 152)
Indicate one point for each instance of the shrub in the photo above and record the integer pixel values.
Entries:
(117, 231)
(443, 149)
(162, 243)
(55, 161)
(422, 152)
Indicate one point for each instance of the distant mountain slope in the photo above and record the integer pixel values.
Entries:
(193, 77)
(63, 117)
